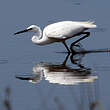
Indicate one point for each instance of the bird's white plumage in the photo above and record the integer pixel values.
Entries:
(58, 32)
(66, 29)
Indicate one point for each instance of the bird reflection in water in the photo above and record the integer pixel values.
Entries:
(61, 73)
(87, 95)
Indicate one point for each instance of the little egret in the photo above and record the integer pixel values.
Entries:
(59, 32)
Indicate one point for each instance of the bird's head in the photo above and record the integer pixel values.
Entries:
(32, 28)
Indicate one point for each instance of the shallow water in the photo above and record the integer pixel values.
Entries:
(86, 84)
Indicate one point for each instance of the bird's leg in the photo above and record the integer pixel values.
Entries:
(65, 61)
(66, 46)
(73, 44)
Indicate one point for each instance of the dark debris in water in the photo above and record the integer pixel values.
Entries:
(77, 3)
(3, 61)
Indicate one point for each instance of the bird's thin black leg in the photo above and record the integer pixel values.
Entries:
(66, 46)
(73, 44)
(65, 61)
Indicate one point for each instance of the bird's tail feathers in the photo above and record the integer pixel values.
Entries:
(90, 24)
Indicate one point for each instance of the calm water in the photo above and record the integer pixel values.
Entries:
(37, 78)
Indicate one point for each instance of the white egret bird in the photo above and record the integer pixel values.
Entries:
(59, 32)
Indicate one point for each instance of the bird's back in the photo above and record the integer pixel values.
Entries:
(66, 29)
(86, 24)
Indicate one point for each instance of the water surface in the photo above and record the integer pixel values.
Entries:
(19, 56)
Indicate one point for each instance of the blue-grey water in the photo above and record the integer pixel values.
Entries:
(18, 57)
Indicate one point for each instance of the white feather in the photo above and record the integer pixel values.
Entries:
(66, 29)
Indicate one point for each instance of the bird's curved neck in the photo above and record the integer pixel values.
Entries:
(38, 33)
(38, 38)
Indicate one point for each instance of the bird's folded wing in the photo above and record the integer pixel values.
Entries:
(64, 32)
(55, 35)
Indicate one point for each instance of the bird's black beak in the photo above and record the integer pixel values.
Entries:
(26, 30)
